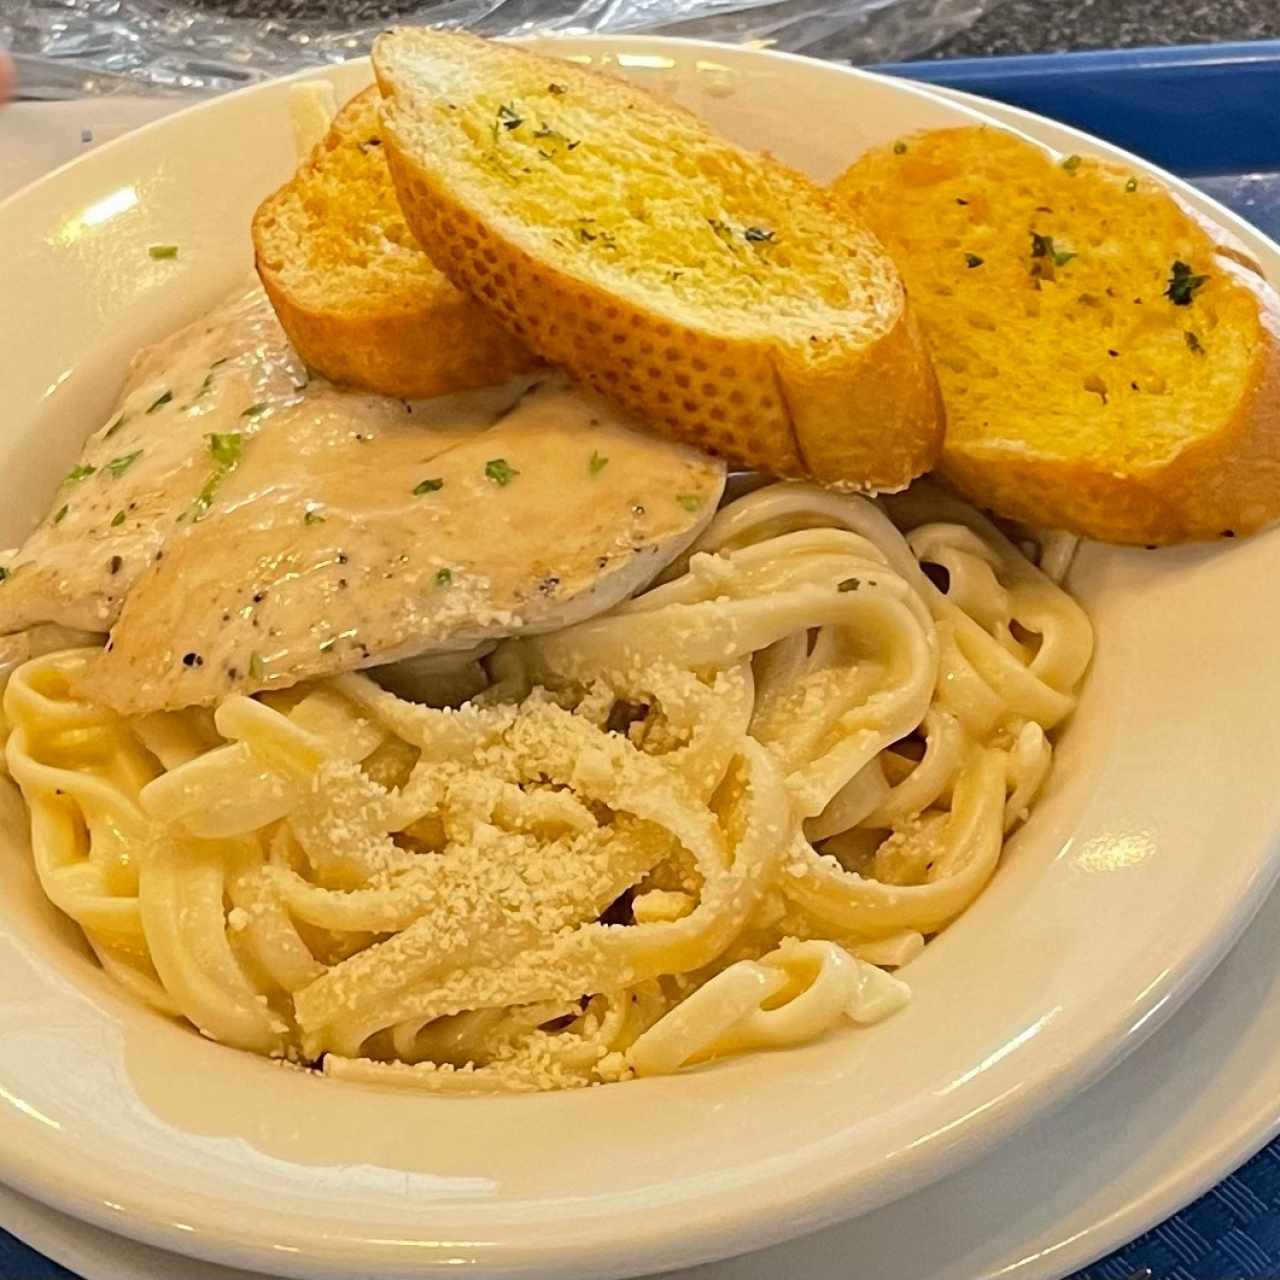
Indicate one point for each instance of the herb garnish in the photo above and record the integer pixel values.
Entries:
(117, 520)
(758, 235)
(1182, 285)
(444, 577)
(598, 462)
(79, 472)
(1193, 343)
(499, 471)
(1042, 247)
(1071, 164)
(163, 250)
(61, 514)
(255, 666)
(427, 486)
(225, 448)
(972, 260)
(118, 466)
(1131, 186)
(256, 410)
(556, 89)
(508, 118)
(312, 516)
(4, 574)
(899, 148)
(160, 401)
(689, 501)
(849, 584)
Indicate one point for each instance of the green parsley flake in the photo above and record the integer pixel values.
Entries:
(849, 584)
(972, 260)
(1193, 343)
(118, 466)
(899, 148)
(430, 486)
(1183, 286)
(509, 118)
(160, 401)
(81, 471)
(311, 516)
(758, 235)
(689, 501)
(444, 577)
(1042, 247)
(1071, 164)
(204, 499)
(226, 447)
(4, 574)
(61, 514)
(163, 250)
(117, 520)
(255, 410)
(598, 462)
(256, 667)
(500, 471)
(1131, 186)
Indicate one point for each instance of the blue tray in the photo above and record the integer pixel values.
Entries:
(1210, 113)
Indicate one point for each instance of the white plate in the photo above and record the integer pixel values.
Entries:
(1153, 848)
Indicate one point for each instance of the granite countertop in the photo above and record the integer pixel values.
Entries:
(1056, 26)
(1011, 27)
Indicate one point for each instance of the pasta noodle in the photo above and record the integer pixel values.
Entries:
(708, 821)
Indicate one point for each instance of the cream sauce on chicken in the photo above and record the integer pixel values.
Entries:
(241, 526)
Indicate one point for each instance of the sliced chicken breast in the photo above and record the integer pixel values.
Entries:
(263, 529)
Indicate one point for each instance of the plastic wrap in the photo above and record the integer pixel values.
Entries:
(71, 47)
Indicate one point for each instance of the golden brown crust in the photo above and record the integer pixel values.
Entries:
(412, 336)
(430, 347)
(899, 437)
(867, 416)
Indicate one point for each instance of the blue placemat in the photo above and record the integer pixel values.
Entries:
(1227, 98)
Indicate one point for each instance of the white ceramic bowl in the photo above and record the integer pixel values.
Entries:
(1154, 845)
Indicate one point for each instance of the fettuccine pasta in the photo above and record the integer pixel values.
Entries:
(711, 820)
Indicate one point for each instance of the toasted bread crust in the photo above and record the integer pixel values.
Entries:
(415, 338)
(865, 415)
